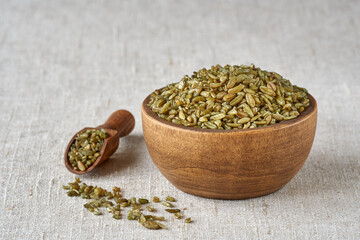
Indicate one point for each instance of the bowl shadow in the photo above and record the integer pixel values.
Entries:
(325, 173)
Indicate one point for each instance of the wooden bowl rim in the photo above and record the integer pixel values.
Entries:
(311, 109)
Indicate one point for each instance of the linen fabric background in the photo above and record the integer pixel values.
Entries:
(69, 64)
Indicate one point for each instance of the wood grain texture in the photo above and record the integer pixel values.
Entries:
(230, 164)
(68, 64)
(119, 124)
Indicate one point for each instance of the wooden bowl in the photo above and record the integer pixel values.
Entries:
(230, 164)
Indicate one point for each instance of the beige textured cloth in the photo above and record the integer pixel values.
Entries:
(69, 64)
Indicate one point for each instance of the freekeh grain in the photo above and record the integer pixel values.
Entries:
(115, 204)
(229, 97)
(86, 148)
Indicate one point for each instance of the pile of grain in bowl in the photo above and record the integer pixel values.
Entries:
(229, 97)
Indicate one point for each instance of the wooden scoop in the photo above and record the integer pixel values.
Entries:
(119, 124)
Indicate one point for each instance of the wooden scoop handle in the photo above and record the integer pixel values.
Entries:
(122, 121)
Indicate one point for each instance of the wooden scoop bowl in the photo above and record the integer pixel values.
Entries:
(229, 164)
(119, 124)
